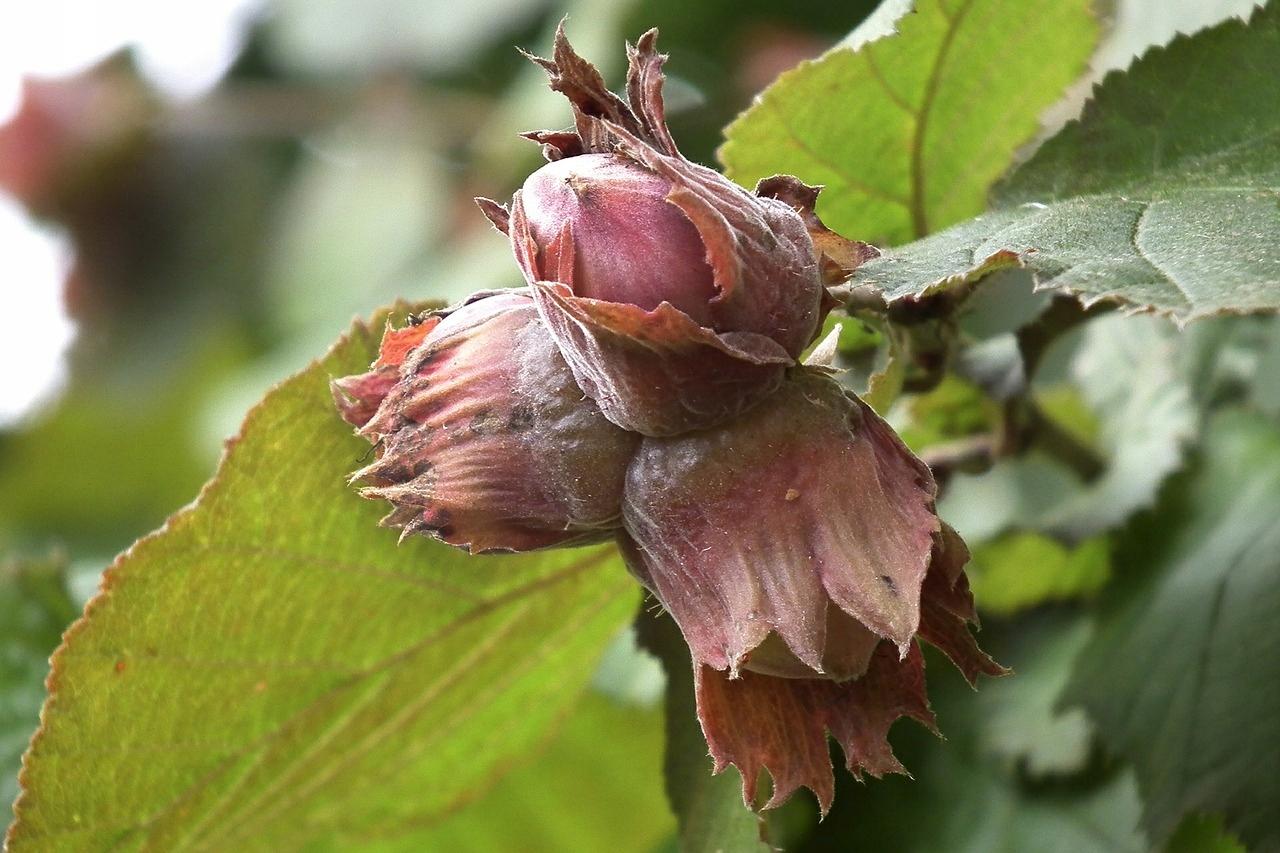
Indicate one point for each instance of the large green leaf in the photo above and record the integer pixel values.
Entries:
(1164, 195)
(598, 786)
(35, 605)
(1183, 676)
(270, 670)
(908, 132)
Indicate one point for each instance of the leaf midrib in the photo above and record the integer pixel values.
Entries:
(920, 216)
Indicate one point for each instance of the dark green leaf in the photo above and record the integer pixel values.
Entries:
(908, 132)
(271, 668)
(1165, 195)
(1183, 676)
(35, 606)
(1200, 834)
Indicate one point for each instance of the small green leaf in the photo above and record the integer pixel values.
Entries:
(908, 132)
(1182, 676)
(1022, 570)
(1164, 195)
(271, 668)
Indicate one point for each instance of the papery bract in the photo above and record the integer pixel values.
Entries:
(758, 722)
(757, 527)
(484, 439)
(799, 550)
(645, 385)
(631, 228)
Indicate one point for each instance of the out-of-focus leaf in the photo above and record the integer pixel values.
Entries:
(909, 131)
(1023, 569)
(1183, 676)
(1201, 834)
(1015, 494)
(1020, 721)
(708, 808)
(598, 786)
(972, 793)
(954, 409)
(117, 454)
(1005, 301)
(363, 206)
(329, 37)
(629, 674)
(1266, 390)
(35, 606)
(1162, 196)
(271, 670)
(1068, 409)
(1126, 370)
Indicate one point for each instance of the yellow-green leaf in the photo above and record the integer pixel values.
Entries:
(270, 671)
(908, 132)
(1164, 195)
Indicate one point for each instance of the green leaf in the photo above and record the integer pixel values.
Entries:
(709, 808)
(909, 132)
(271, 668)
(132, 424)
(1023, 569)
(1183, 676)
(35, 605)
(1128, 371)
(598, 786)
(1020, 723)
(1164, 195)
(955, 409)
(1200, 834)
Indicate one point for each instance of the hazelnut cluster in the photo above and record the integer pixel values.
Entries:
(645, 385)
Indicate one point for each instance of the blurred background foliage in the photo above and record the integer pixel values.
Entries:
(222, 242)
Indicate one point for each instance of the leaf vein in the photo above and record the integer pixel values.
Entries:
(919, 216)
(847, 179)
